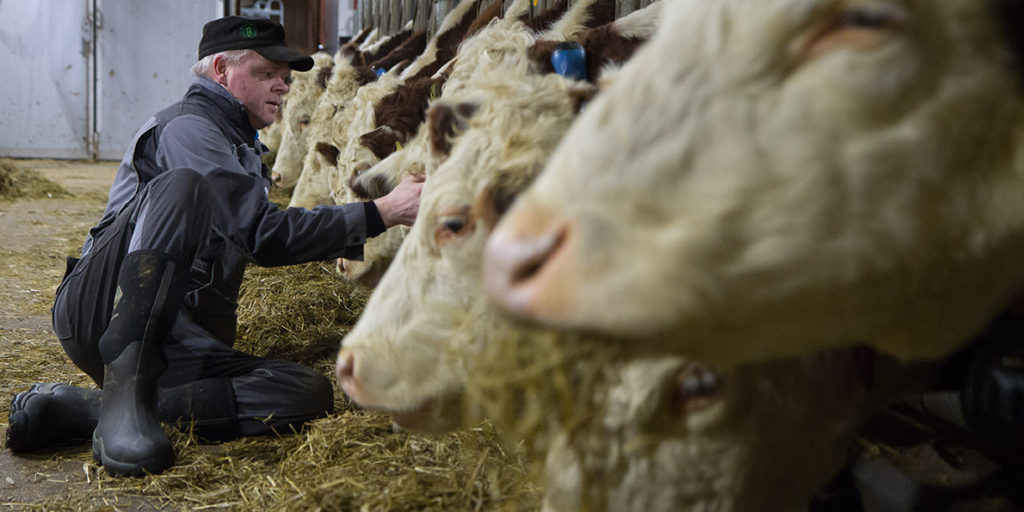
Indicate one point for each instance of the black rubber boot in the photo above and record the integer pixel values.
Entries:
(54, 414)
(128, 439)
(50, 415)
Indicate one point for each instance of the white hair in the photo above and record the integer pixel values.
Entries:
(231, 56)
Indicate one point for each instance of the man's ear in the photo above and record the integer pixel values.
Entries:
(219, 70)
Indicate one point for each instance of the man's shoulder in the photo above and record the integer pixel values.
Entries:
(190, 124)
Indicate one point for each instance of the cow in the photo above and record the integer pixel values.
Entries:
(607, 44)
(344, 80)
(508, 125)
(800, 174)
(296, 112)
(669, 437)
(320, 166)
(668, 433)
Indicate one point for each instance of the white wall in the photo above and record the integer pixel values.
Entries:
(146, 48)
(51, 103)
(44, 46)
(348, 18)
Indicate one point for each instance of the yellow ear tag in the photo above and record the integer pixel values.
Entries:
(398, 146)
(433, 91)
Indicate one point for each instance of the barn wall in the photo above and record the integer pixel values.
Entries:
(43, 100)
(84, 74)
(146, 48)
(391, 15)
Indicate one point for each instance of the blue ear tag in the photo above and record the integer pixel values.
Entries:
(570, 60)
(379, 71)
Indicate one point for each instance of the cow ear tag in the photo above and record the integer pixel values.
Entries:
(570, 60)
(379, 71)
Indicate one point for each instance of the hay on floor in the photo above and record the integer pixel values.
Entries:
(18, 182)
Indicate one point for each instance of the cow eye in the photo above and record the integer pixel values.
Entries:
(865, 18)
(304, 120)
(859, 27)
(452, 224)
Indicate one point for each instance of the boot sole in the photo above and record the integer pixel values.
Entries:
(151, 466)
(17, 427)
(17, 423)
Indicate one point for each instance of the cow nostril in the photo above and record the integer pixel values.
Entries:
(530, 255)
(514, 261)
(275, 177)
(345, 367)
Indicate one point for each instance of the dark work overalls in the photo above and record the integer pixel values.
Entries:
(192, 186)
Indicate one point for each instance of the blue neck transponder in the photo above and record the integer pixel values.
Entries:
(570, 60)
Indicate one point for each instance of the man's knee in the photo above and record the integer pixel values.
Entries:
(293, 390)
(318, 398)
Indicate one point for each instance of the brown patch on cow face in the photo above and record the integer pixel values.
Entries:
(386, 47)
(364, 75)
(444, 122)
(540, 54)
(382, 142)
(546, 19)
(498, 195)
(404, 110)
(484, 18)
(323, 76)
(375, 187)
(453, 224)
(604, 45)
(599, 13)
(411, 47)
(329, 152)
(350, 49)
(489, 207)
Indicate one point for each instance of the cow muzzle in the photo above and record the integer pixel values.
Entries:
(520, 264)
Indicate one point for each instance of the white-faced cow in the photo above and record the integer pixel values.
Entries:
(779, 176)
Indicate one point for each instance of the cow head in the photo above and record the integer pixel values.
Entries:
(800, 174)
(422, 323)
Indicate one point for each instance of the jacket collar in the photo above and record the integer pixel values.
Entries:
(228, 105)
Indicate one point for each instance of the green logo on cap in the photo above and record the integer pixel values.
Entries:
(248, 31)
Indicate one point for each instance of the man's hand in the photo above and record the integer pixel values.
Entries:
(401, 204)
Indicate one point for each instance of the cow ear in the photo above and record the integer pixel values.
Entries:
(499, 194)
(540, 55)
(364, 75)
(444, 122)
(329, 151)
(382, 142)
(323, 76)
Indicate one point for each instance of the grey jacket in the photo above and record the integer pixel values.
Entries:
(209, 132)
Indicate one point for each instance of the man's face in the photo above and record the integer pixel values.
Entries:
(257, 82)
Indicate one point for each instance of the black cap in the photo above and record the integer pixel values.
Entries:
(260, 35)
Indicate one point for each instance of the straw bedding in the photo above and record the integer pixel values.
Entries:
(351, 460)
